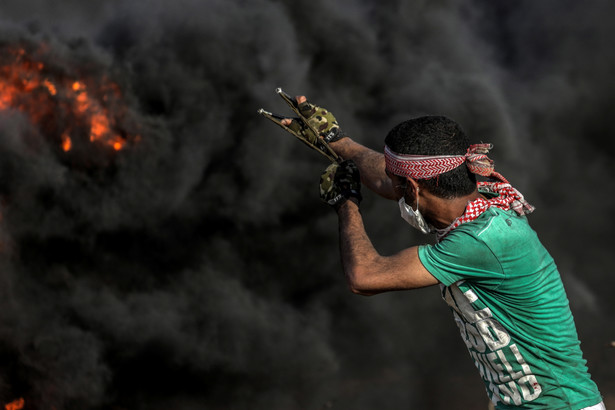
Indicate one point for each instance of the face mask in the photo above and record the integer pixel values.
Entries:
(414, 218)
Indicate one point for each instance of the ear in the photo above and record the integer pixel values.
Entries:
(412, 188)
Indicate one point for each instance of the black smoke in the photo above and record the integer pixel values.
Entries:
(197, 269)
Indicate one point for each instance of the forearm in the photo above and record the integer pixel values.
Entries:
(368, 272)
(371, 165)
(356, 249)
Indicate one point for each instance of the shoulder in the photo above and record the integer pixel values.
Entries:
(502, 232)
(493, 222)
(476, 250)
(462, 254)
(467, 245)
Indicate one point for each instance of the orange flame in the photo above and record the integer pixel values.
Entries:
(26, 85)
(67, 143)
(15, 405)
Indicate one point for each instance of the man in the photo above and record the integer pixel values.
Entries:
(503, 287)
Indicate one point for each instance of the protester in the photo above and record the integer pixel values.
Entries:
(503, 287)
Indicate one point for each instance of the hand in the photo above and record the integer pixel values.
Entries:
(340, 182)
(321, 120)
(315, 126)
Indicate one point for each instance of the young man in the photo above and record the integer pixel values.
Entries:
(503, 287)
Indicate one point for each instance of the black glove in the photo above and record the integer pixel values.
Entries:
(339, 182)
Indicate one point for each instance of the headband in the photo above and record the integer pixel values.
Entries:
(429, 166)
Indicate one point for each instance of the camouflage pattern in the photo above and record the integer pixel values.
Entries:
(316, 119)
(314, 126)
(339, 182)
(322, 121)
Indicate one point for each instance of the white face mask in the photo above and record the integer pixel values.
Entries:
(414, 218)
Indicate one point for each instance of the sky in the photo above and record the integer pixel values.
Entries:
(193, 266)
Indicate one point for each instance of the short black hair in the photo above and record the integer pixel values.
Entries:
(435, 135)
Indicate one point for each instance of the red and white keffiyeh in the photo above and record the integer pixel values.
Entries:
(428, 166)
(508, 197)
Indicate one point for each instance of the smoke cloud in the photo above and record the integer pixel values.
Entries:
(196, 268)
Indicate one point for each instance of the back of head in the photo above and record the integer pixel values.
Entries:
(435, 135)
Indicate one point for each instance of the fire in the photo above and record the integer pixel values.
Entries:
(15, 405)
(52, 98)
(67, 143)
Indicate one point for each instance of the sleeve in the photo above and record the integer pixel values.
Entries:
(462, 256)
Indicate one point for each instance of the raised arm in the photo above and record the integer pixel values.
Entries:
(368, 272)
(370, 163)
(318, 128)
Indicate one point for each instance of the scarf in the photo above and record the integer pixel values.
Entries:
(508, 198)
(429, 166)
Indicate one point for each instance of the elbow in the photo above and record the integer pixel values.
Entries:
(361, 292)
(358, 284)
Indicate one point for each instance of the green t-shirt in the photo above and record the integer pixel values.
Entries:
(510, 305)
